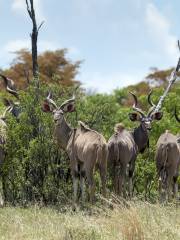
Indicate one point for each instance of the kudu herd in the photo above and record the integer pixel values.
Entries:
(88, 150)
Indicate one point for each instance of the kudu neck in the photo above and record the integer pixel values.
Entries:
(141, 138)
(62, 133)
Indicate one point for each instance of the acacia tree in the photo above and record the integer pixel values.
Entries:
(54, 67)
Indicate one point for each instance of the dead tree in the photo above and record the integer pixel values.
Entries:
(172, 80)
(34, 38)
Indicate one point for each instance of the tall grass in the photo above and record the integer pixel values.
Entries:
(136, 221)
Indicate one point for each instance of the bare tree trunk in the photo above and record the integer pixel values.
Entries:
(34, 38)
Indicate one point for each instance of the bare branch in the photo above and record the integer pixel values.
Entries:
(178, 45)
(40, 25)
(172, 79)
(28, 9)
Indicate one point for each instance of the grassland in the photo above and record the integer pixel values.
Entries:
(136, 221)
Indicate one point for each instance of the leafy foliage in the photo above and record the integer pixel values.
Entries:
(54, 66)
(35, 170)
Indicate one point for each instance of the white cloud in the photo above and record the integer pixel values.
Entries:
(107, 83)
(159, 28)
(13, 46)
(43, 45)
(19, 6)
(89, 7)
(8, 50)
(73, 51)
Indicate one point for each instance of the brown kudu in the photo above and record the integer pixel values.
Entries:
(125, 145)
(86, 148)
(13, 108)
(167, 163)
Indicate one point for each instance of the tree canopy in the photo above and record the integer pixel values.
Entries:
(54, 67)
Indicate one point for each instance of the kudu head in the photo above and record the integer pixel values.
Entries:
(58, 112)
(144, 119)
(13, 107)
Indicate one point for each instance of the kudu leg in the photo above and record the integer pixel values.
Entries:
(162, 185)
(160, 189)
(91, 184)
(116, 174)
(91, 191)
(1, 194)
(130, 187)
(75, 188)
(115, 183)
(175, 188)
(103, 180)
(122, 177)
(82, 183)
(130, 179)
(82, 187)
(169, 188)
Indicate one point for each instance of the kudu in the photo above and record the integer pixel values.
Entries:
(3, 127)
(11, 88)
(14, 109)
(125, 145)
(167, 163)
(86, 148)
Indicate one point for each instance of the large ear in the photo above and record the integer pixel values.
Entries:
(157, 116)
(68, 105)
(46, 106)
(134, 117)
(49, 105)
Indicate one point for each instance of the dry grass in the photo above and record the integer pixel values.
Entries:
(137, 222)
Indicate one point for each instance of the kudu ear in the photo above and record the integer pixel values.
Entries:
(49, 105)
(134, 117)
(157, 116)
(46, 107)
(68, 105)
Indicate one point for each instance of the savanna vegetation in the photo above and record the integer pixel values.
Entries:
(36, 179)
(36, 170)
(138, 221)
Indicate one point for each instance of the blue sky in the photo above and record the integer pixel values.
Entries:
(118, 40)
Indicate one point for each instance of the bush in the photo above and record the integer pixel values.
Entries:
(35, 170)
